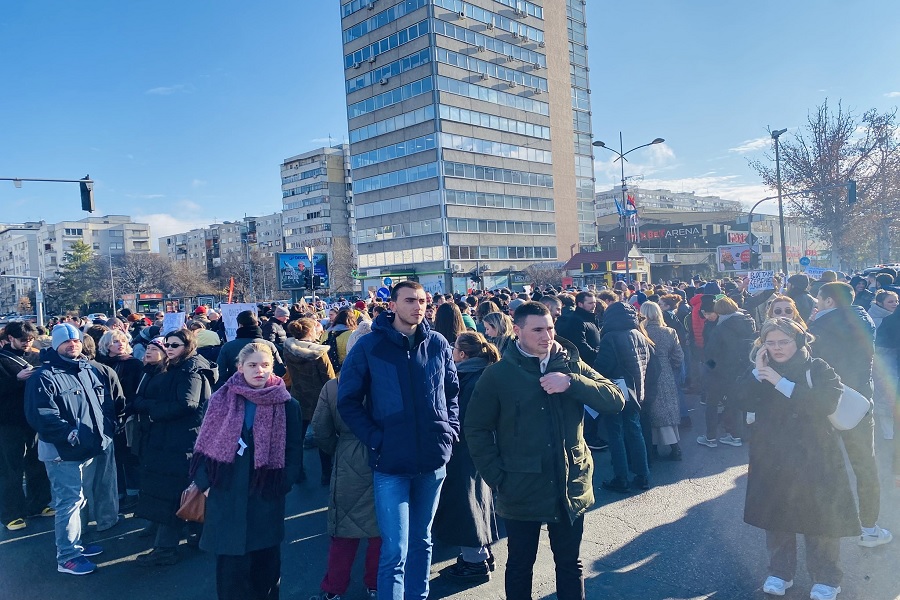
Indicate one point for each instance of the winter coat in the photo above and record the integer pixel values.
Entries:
(65, 396)
(579, 327)
(664, 410)
(239, 520)
(129, 370)
(341, 337)
(465, 513)
(273, 331)
(845, 340)
(864, 299)
(310, 370)
(227, 360)
(624, 351)
(351, 503)
(797, 481)
(805, 303)
(528, 445)
(697, 320)
(727, 351)
(12, 389)
(411, 418)
(170, 408)
(877, 313)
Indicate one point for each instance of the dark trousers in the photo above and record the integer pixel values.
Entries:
(128, 466)
(822, 557)
(324, 457)
(341, 555)
(731, 417)
(252, 576)
(625, 433)
(18, 458)
(565, 542)
(860, 445)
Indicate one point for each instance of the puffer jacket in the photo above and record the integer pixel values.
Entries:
(310, 370)
(697, 320)
(351, 504)
(528, 445)
(411, 419)
(845, 339)
(580, 328)
(624, 351)
(728, 351)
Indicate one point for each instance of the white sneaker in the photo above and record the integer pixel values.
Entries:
(879, 538)
(776, 586)
(705, 441)
(728, 440)
(820, 591)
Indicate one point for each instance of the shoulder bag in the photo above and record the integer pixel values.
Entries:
(193, 504)
(851, 409)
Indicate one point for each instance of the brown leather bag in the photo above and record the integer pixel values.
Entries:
(193, 504)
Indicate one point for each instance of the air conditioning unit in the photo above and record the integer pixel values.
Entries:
(456, 267)
(485, 76)
(538, 91)
(536, 66)
(356, 65)
(372, 60)
(383, 81)
(372, 5)
(525, 39)
(461, 14)
(589, 91)
(515, 35)
(542, 44)
(490, 25)
(512, 84)
(510, 58)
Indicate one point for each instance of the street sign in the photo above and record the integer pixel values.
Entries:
(383, 293)
(388, 281)
(804, 261)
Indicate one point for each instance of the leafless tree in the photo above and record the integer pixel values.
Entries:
(543, 274)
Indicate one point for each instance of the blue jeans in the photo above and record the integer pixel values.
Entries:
(101, 490)
(405, 507)
(66, 482)
(625, 431)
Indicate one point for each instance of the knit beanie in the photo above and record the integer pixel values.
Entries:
(62, 333)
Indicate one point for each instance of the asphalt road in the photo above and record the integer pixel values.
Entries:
(683, 539)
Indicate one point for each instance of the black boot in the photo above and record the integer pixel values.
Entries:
(675, 454)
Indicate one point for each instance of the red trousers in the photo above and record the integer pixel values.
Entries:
(340, 562)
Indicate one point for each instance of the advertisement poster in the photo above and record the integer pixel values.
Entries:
(293, 269)
(733, 258)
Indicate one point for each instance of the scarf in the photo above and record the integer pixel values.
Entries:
(217, 442)
(252, 332)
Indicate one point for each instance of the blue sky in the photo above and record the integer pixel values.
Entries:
(183, 111)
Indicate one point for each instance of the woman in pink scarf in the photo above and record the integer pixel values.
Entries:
(246, 459)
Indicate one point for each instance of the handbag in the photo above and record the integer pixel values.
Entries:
(193, 504)
(852, 407)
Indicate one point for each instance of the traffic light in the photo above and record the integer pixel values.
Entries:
(754, 260)
(851, 192)
(317, 281)
(307, 279)
(87, 194)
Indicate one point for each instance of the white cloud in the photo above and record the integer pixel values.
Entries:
(752, 145)
(163, 224)
(325, 140)
(656, 158)
(198, 183)
(728, 187)
(145, 196)
(893, 95)
(170, 89)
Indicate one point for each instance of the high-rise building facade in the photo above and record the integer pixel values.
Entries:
(460, 115)
(664, 200)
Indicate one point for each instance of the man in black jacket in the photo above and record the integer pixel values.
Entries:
(798, 291)
(580, 328)
(18, 441)
(273, 329)
(845, 339)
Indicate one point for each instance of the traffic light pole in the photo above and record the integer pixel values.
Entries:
(87, 188)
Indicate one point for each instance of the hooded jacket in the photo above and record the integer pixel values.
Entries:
(697, 320)
(624, 351)
(411, 418)
(845, 339)
(728, 350)
(878, 313)
(310, 370)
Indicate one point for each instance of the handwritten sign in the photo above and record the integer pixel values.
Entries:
(229, 314)
(814, 272)
(172, 322)
(760, 280)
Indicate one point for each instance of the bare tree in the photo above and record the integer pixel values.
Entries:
(834, 148)
(343, 262)
(188, 282)
(543, 274)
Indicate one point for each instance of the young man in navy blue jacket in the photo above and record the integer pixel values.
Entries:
(398, 394)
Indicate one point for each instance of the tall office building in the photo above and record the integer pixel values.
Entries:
(462, 116)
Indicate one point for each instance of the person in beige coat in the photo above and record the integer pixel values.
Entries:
(351, 502)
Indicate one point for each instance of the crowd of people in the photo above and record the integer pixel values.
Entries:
(453, 416)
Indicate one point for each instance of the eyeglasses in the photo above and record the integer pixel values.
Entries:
(173, 345)
(778, 343)
(783, 311)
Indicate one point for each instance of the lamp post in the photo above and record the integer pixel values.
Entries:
(620, 155)
(310, 254)
(775, 136)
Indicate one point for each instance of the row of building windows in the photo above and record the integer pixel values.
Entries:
(504, 201)
(498, 252)
(383, 45)
(584, 166)
(73, 232)
(404, 92)
(354, 5)
(582, 143)
(470, 63)
(397, 205)
(304, 175)
(584, 188)
(581, 99)
(528, 7)
(578, 54)
(577, 32)
(479, 146)
(489, 226)
(306, 202)
(407, 63)
(305, 189)
(490, 43)
(479, 173)
(581, 121)
(399, 150)
(575, 10)
(476, 13)
(477, 92)
(578, 76)
(471, 117)
(408, 119)
(383, 18)
(405, 258)
(401, 230)
(393, 178)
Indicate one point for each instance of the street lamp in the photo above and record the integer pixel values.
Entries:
(620, 155)
(775, 136)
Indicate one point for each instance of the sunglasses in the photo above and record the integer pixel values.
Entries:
(783, 311)
(173, 345)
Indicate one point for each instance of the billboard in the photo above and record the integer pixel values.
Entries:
(293, 269)
(733, 258)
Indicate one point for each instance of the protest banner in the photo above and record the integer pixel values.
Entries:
(172, 321)
(229, 314)
(760, 280)
(814, 272)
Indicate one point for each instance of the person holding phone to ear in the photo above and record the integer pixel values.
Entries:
(797, 482)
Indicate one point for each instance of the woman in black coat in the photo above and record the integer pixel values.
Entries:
(797, 481)
(173, 403)
(465, 513)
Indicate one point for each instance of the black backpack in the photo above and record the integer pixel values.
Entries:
(331, 341)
